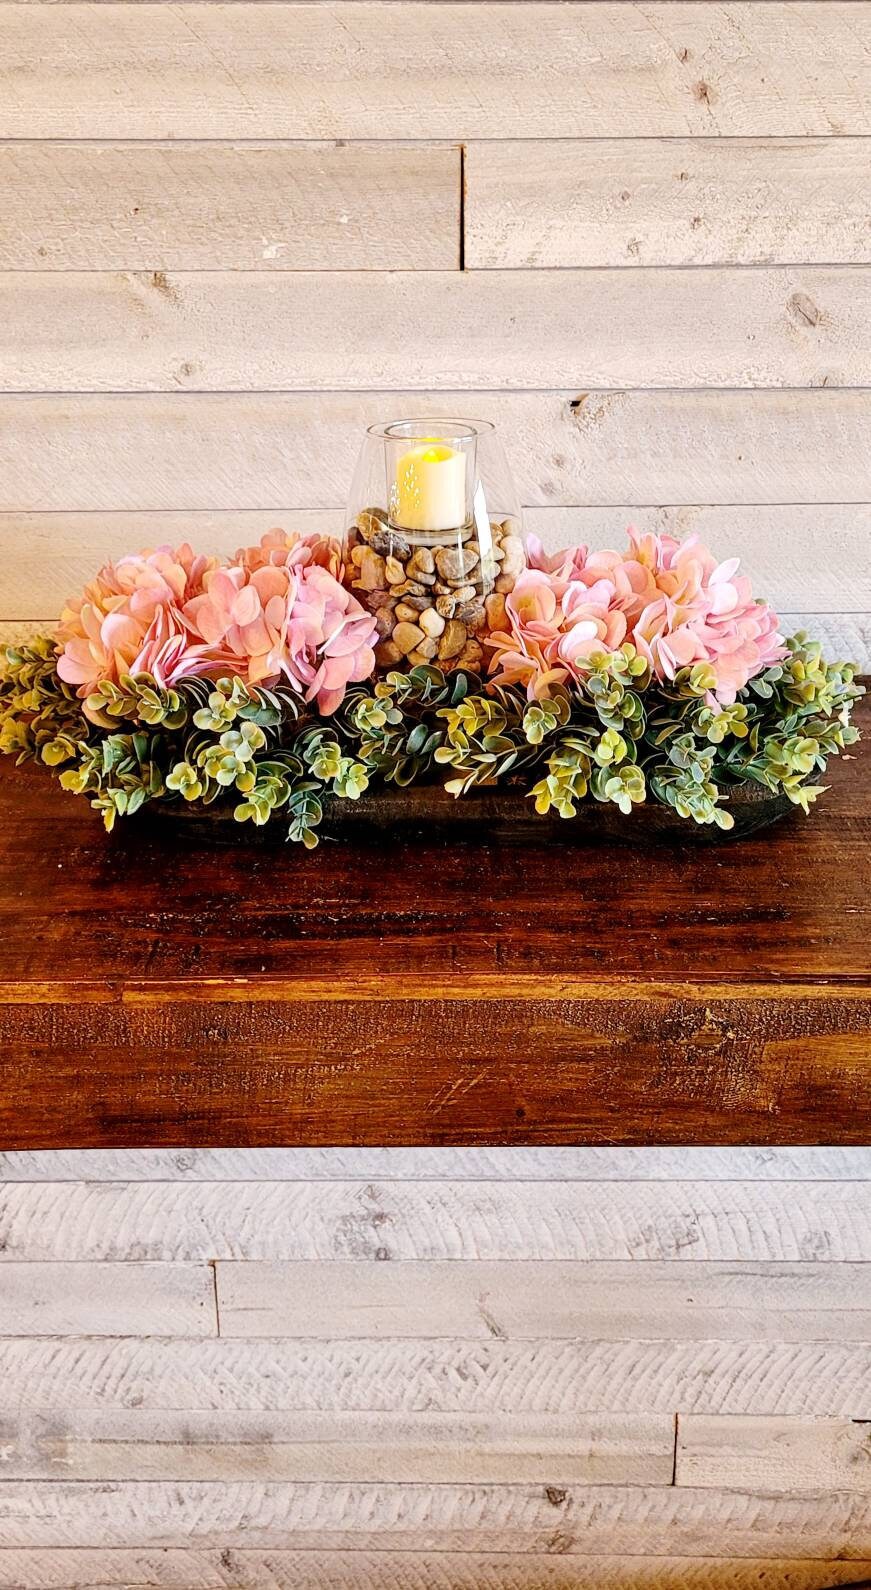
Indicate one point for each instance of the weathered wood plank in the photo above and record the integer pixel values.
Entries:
(15, 630)
(274, 451)
(83, 331)
(847, 638)
(502, 1448)
(798, 1302)
(699, 201)
(295, 1061)
(501, 71)
(219, 206)
(653, 1521)
(439, 1164)
(280, 1570)
(189, 1222)
(47, 556)
(58, 1299)
(819, 1379)
(779, 1454)
(778, 544)
(202, 1569)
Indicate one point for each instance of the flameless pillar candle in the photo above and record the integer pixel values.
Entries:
(430, 488)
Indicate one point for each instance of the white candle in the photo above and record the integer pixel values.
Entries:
(430, 488)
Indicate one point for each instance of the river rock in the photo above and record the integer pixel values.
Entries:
(452, 640)
(497, 616)
(387, 655)
(390, 543)
(432, 623)
(471, 656)
(405, 611)
(472, 615)
(455, 563)
(406, 636)
(423, 653)
(512, 563)
(373, 575)
(421, 566)
(370, 522)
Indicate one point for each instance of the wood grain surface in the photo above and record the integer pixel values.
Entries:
(255, 207)
(823, 1379)
(153, 331)
(546, 1299)
(675, 201)
(213, 1569)
(177, 994)
(777, 1455)
(425, 1448)
(451, 71)
(179, 451)
(349, 1222)
(228, 1165)
(584, 1520)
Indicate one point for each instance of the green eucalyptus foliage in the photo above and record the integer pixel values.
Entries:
(618, 736)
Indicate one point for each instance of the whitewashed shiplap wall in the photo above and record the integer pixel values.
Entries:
(445, 1369)
(636, 234)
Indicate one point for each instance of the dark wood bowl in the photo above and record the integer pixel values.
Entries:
(504, 814)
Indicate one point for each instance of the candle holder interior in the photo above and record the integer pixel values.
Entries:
(434, 539)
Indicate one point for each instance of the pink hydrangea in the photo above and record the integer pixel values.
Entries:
(287, 620)
(129, 620)
(704, 612)
(563, 566)
(632, 577)
(672, 600)
(278, 610)
(283, 549)
(555, 628)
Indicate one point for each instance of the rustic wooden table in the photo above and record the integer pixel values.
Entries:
(158, 990)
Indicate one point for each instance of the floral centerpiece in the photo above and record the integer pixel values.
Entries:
(252, 683)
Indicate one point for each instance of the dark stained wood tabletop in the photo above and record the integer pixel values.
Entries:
(159, 989)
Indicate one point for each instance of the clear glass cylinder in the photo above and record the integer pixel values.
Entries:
(434, 540)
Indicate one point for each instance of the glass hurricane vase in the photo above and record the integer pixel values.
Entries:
(434, 539)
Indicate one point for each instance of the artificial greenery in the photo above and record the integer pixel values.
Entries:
(618, 736)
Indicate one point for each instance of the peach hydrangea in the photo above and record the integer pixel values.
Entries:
(283, 549)
(129, 620)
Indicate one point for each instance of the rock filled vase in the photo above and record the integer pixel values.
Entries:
(434, 540)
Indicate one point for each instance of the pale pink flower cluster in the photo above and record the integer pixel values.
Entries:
(670, 599)
(277, 611)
